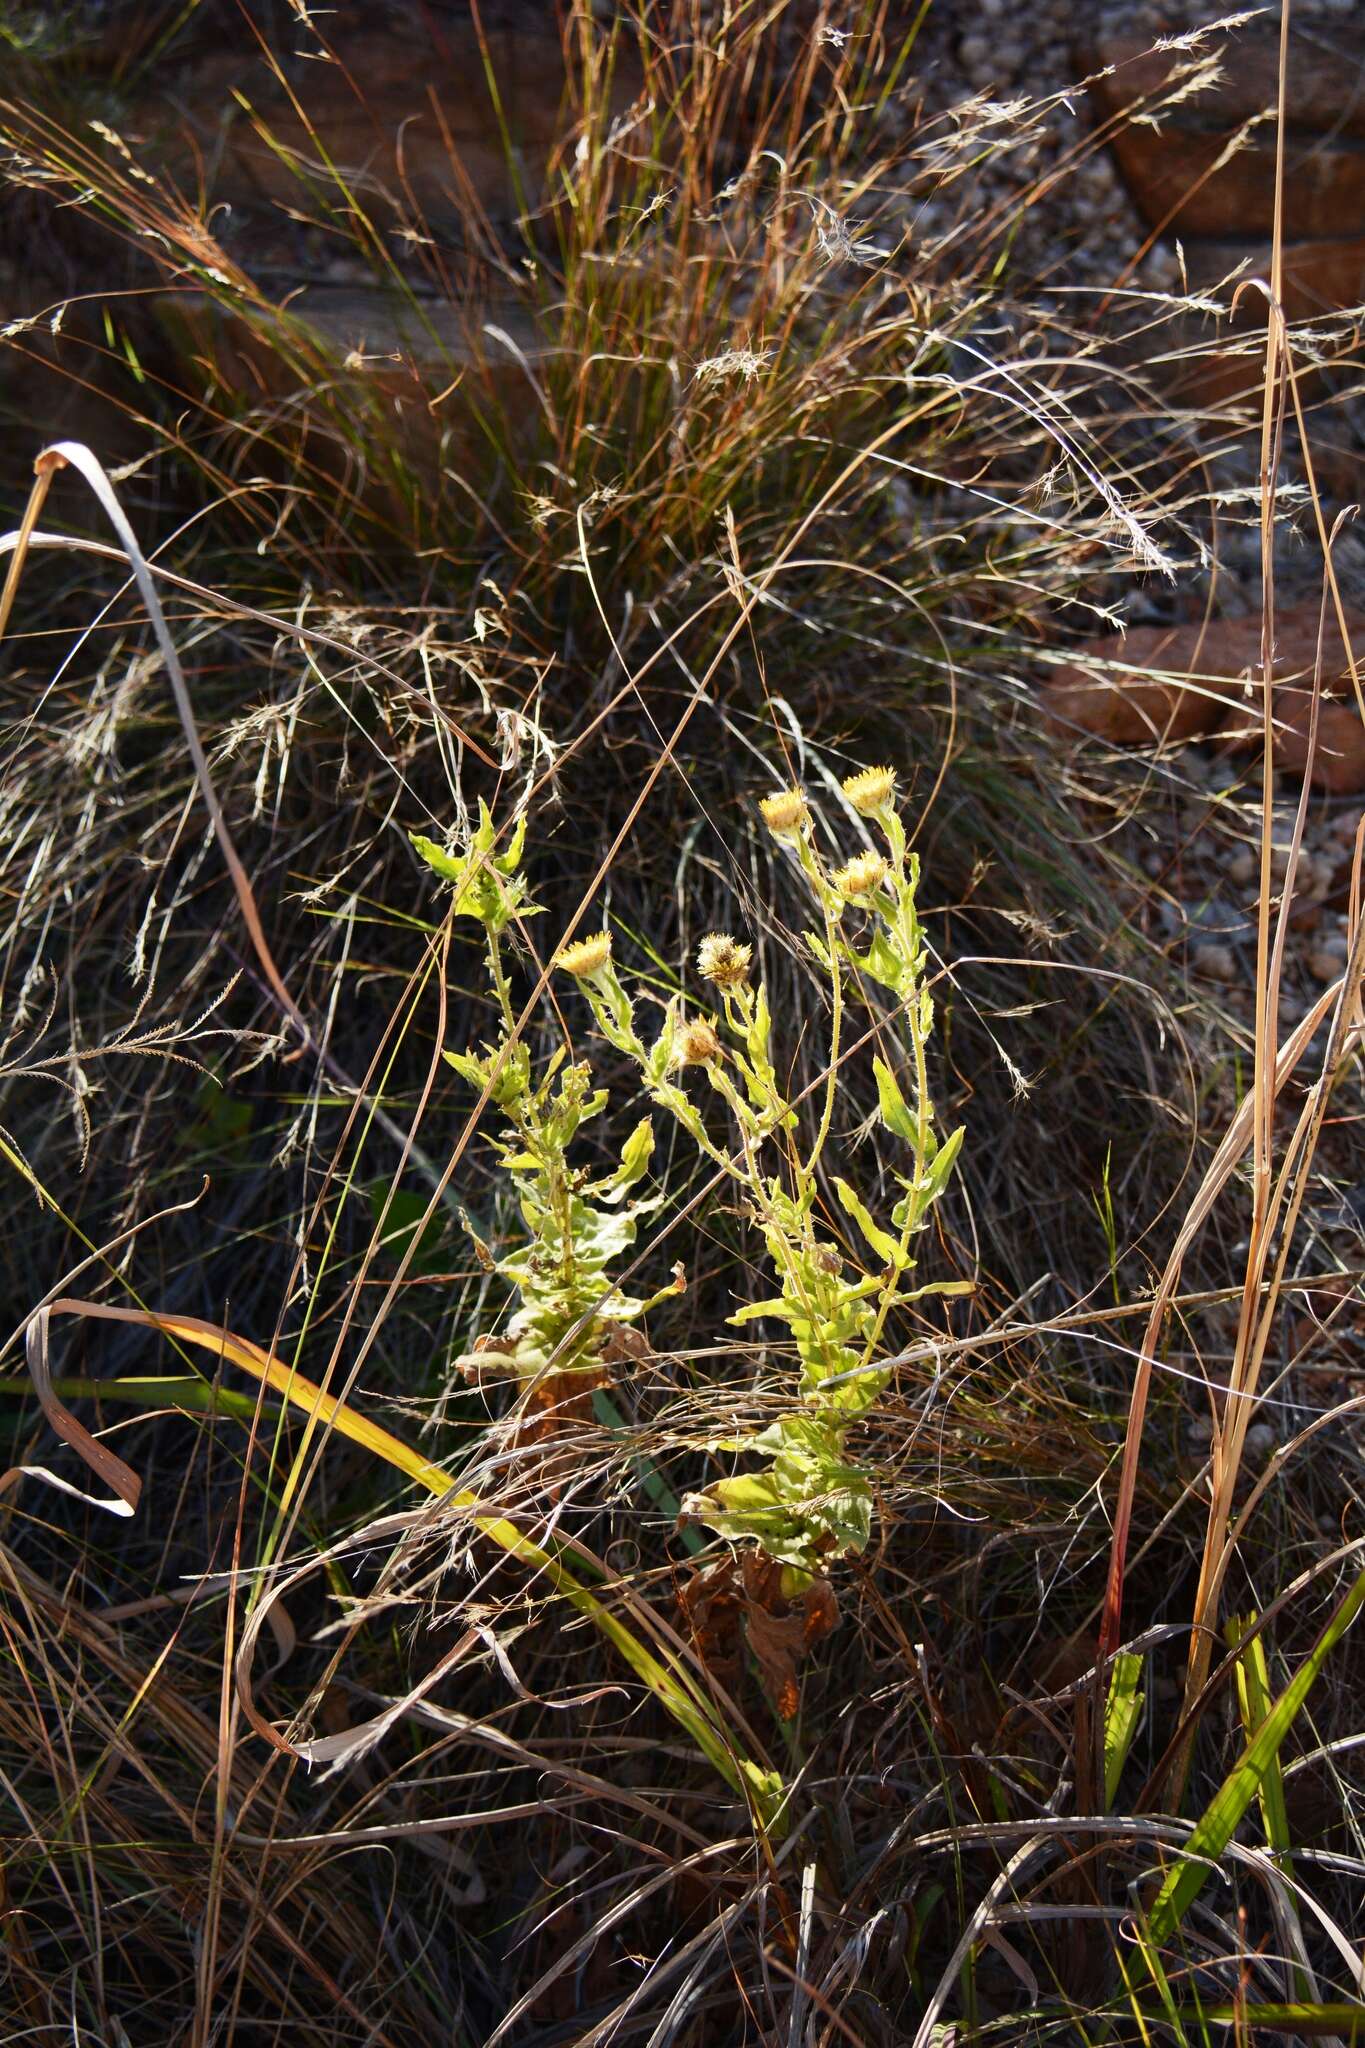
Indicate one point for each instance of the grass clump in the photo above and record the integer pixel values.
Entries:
(625, 1312)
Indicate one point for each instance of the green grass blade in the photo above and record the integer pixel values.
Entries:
(1344, 2020)
(1253, 1697)
(1219, 1820)
(1122, 1711)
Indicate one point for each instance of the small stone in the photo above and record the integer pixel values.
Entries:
(1339, 758)
(1260, 1439)
(1216, 963)
(1324, 965)
(1133, 688)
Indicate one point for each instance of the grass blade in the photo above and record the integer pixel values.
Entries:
(666, 1679)
(1220, 1818)
(1122, 1711)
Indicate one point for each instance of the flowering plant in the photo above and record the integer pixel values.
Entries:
(810, 1502)
(570, 1324)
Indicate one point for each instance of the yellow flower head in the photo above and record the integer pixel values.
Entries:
(863, 876)
(785, 813)
(869, 789)
(586, 957)
(723, 960)
(696, 1044)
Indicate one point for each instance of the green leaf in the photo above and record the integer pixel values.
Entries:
(507, 863)
(935, 1179)
(449, 866)
(752, 1310)
(888, 1249)
(1253, 1697)
(1220, 1818)
(1122, 1711)
(884, 964)
(896, 1113)
(636, 1154)
(487, 887)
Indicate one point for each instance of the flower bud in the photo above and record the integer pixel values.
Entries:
(696, 1044)
(785, 813)
(863, 876)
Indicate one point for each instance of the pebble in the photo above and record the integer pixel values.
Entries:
(1260, 1439)
(1217, 963)
(1243, 867)
(1325, 966)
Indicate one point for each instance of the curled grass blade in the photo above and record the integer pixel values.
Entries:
(667, 1680)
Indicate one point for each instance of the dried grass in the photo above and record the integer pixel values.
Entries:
(818, 493)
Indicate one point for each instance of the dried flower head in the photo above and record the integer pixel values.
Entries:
(785, 813)
(696, 1044)
(586, 957)
(723, 960)
(863, 875)
(870, 788)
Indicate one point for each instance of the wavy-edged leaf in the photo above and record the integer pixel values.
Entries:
(888, 1248)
